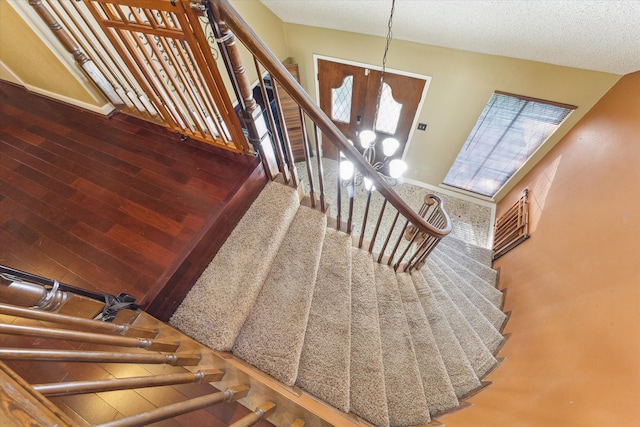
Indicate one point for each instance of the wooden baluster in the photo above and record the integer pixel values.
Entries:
(175, 359)
(88, 337)
(366, 217)
(375, 232)
(386, 241)
(285, 134)
(175, 409)
(307, 159)
(339, 198)
(97, 386)
(256, 416)
(421, 253)
(404, 253)
(323, 204)
(78, 322)
(274, 130)
(395, 248)
(352, 195)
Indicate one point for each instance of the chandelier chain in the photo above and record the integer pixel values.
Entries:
(384, 61)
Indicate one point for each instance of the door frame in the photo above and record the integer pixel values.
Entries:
(424, 77)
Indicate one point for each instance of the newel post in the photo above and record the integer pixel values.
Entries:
(251, 113)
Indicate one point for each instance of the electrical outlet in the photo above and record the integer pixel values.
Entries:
(422, 126)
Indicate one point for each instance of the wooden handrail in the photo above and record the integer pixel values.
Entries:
(78, 322)
(277, 70)
(113, 384)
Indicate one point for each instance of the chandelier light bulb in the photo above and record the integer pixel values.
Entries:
(390, 146)
(396, 168)
(369, 185)
(346, 170)
(366, 138)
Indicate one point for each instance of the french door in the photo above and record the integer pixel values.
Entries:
(349, 94)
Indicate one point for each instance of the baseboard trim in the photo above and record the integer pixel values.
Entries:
(104, 110)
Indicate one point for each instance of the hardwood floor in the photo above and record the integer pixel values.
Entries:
(113, 205)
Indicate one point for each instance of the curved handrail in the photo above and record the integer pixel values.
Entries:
(259, 50)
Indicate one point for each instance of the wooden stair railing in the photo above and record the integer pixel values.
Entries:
(397, 251)
(30, 346)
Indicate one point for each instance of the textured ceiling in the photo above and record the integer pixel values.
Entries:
(591, 34)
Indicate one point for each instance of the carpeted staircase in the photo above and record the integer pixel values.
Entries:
(296, 299)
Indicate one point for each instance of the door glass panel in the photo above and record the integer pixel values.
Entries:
(341, 101)
(388, 112)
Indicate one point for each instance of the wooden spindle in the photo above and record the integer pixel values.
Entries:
(366, 217)
(275, 137)
(285, 134)
(323, 203)
(78, 322)
(97, 386)
(406, 249)
(175, 409)
(375, 231)
(386, 241)
(307, 159)
(88, 337)
(339, 198)
(256, 416)
(395, 248)
(175, 359)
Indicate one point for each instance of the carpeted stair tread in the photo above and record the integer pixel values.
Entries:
(368, 395)
(463, 377)
(494, 315)
(480, 254)
(438, 390)
(218, 304)
(481, 270)
(273, 334)
(488, 289)
(405, 395)
(485, 330)
(326, 353)
(479, 356)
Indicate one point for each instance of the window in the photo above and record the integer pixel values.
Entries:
(341, 101)
(509, 130)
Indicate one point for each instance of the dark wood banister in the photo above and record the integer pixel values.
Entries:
(277, 70)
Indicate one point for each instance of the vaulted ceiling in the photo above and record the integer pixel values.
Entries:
(599, 35)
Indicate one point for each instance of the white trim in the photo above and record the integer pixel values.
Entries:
(427, 82)
(9, 72)
(105, 110)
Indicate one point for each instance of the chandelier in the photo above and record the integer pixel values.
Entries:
(389, 168)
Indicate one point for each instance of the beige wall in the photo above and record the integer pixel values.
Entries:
(461, 86)
(574, 286)
(31, 61)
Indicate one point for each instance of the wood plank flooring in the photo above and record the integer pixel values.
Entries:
(113, 205)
